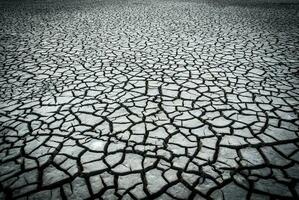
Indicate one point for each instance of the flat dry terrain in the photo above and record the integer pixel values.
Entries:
(149, 99)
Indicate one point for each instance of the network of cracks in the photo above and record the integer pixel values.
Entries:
(144, 100)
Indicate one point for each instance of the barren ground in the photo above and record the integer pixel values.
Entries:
(162, 99)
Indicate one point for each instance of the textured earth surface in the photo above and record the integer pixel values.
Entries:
(149, 99)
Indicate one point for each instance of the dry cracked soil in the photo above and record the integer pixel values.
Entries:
(157, 99)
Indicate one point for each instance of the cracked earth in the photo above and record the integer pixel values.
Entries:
(149, 99)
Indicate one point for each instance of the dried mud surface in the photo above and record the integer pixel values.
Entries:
(149, 99)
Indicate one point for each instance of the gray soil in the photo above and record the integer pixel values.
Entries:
(158, 99)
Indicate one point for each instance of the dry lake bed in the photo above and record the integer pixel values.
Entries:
(158, 99)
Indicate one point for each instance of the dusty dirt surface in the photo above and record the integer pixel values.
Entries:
(149, 99)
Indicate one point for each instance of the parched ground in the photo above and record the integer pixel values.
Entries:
(162, 99)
